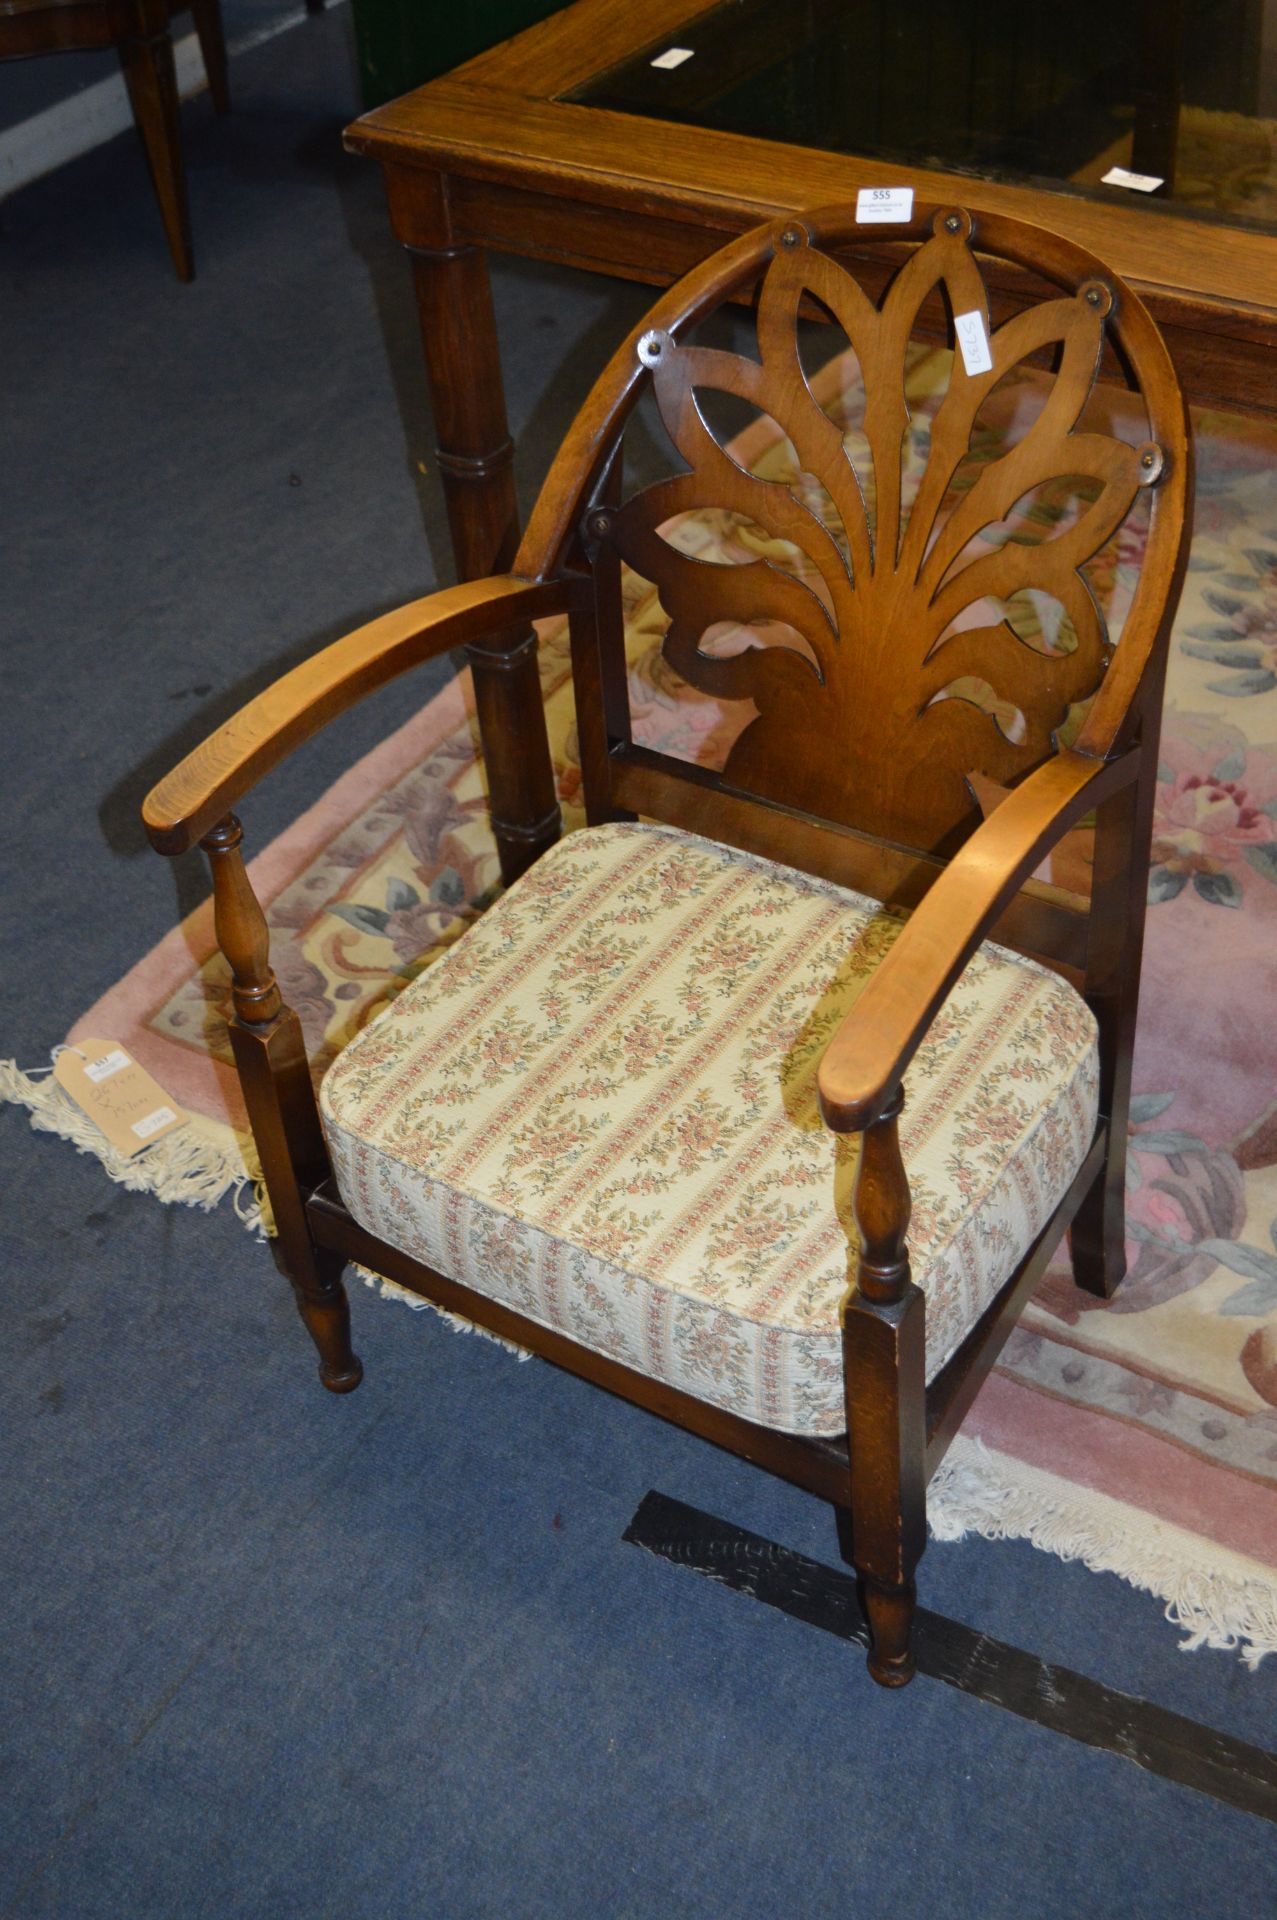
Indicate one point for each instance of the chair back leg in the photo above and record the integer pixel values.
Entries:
(1123, 826)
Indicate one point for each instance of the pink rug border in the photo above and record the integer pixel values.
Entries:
(1158, 1477)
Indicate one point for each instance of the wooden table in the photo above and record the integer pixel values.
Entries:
(491, 156)
(488, 156)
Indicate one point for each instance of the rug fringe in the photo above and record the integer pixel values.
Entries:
(188, 1167)
(1220, 1599)
(391, 1290)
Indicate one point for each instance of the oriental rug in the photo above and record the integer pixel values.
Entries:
(1139, 1436)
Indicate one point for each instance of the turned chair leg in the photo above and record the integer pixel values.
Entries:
(884, 1358)
(207, 15)
(152, 84)
(889, 1611)
(270, 1054)
(325, 1311)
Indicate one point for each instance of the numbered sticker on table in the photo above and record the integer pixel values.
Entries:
(884, 205)
(973, 342)
(1136, 182)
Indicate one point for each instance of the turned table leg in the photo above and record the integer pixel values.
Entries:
(475, 455)
(474, 449)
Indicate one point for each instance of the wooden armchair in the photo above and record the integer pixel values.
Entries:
(595, 1125)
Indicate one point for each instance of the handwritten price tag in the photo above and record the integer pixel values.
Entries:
(118, 1095)
(883, 206)
(972, 342)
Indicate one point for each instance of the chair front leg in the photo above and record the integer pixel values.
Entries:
(270, 1054)
(884, 1364)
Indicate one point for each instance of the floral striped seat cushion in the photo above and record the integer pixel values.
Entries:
(600, 1108)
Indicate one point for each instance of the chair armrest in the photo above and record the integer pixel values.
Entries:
(864, 1063)
(199, 791)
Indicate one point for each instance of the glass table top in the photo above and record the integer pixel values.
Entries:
(1176, 95)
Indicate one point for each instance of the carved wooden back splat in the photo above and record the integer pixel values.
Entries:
(863, 732)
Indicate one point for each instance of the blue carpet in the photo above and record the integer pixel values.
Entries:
(265, 1652)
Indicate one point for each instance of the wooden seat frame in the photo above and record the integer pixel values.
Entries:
(963, 878)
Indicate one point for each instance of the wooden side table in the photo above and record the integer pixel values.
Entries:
(494, 156)
(139, 30)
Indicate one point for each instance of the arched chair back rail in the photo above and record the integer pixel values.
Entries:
(730, 1103)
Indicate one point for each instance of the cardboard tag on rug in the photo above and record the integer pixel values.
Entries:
(118, 1095)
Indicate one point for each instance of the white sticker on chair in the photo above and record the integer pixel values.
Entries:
(673, 56)
(884, 205)
(1138, 182)
(969, 328)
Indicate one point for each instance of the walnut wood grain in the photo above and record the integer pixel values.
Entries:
(887, 748)
(874, 596)
(217, 773)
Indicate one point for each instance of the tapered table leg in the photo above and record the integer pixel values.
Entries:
(207, 15)
(147, 61)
